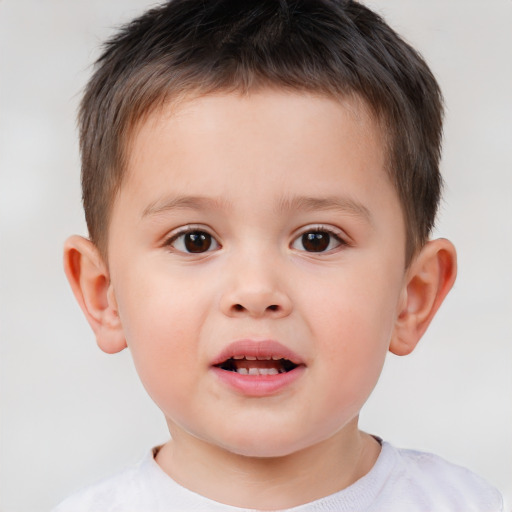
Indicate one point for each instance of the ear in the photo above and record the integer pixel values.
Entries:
(89, 278)
(428, 280)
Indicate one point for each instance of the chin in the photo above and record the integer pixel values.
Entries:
(271, 444)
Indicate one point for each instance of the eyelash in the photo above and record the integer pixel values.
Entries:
(209, 240)
(333, 235)
(189, 230)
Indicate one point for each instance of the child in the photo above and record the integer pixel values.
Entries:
(260, 180)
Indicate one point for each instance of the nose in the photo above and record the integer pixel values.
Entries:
(255, 289)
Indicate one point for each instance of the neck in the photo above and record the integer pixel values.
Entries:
(269, 483)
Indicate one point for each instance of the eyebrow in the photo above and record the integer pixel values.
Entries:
(198, 203)
(302, 203)
(331, 203)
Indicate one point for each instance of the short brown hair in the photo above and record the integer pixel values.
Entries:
(332, 47)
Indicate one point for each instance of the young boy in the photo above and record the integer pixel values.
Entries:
(260, 180)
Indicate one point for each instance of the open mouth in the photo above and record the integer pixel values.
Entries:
(261, 365)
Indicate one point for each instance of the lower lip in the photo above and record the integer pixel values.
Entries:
(259, 385)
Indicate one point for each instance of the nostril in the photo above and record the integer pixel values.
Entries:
(256, 309)
(239, 307)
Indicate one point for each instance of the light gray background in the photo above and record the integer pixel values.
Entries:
(71, 414)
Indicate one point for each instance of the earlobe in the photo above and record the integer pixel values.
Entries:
(428, 280)
(88, 276)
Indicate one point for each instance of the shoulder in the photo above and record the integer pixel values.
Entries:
(144, 487)
(437, 484)
(129, 488)
(103, 495)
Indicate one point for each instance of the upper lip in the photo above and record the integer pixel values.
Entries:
(260, 349)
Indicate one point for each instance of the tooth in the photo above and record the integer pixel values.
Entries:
(276, 358)
(242, 371)
(268, 371)
(250, 358)
(238, 357)
(263, 358)
(253, 371)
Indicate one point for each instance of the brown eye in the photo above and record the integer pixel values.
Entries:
(197, 241)
(318, 240)
(194, 242)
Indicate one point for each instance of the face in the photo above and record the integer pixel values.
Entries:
(256, 256)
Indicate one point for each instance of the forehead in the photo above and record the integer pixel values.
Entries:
(274, 143)
(256, 121)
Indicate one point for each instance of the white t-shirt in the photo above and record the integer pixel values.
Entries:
(400, 481)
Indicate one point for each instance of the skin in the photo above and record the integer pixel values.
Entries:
(255, 173)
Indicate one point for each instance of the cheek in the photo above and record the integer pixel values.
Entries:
(353, 324)
(355, 312)
(158, 309)
(161, 324)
